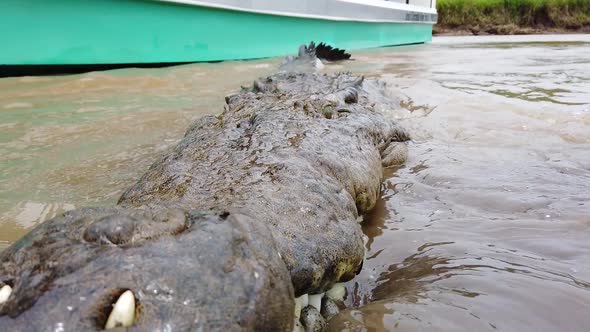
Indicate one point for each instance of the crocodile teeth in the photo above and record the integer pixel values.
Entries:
(337, 292)
(300, 303)
(315, 300)
(5, 293)
(123, 313)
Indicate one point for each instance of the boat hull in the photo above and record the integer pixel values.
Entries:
(82, 32)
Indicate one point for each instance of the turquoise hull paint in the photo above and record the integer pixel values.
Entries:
(62, 32)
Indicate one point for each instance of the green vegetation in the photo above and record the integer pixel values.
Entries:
(533, 14)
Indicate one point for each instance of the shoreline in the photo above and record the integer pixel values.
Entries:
(512, 17)
(509, 29)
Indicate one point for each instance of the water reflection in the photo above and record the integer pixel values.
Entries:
(29, 214)
(80, 140)
(402, 280)
(485, 228)
(374, 224)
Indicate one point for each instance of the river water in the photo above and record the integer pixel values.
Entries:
(487, 226)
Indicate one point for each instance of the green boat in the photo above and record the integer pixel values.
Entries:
(42, 34)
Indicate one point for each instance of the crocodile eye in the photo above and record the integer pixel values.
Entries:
(351, 95)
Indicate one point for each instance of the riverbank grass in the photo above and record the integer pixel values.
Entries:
(535, 14)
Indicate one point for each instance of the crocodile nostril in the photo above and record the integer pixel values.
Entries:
(112, 229)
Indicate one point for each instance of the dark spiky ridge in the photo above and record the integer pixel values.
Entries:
(327, 52)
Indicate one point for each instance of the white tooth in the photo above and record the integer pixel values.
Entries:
(123, 313)
(319, 64)
(304, 300)
(337, 292)
(297, 308)
(316, 300)
(300, 303)
(5, 293)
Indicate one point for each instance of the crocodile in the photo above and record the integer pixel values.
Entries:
(253, 210)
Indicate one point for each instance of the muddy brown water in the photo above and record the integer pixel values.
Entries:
(487, 227)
